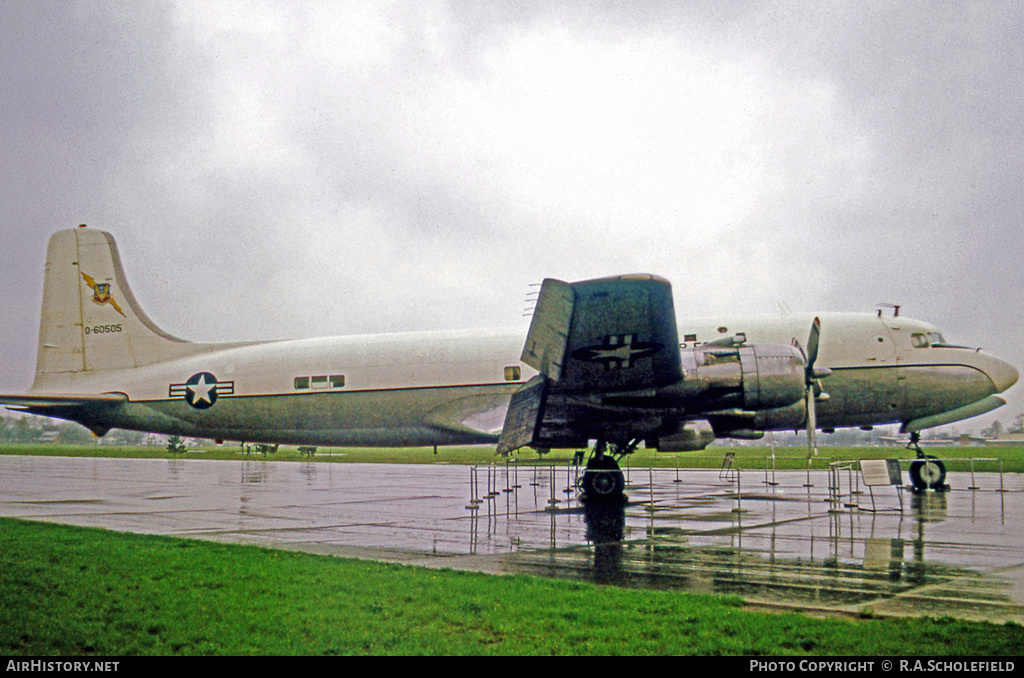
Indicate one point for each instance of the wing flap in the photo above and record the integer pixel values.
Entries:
(523, 416)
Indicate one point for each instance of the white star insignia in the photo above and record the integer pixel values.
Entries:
(201, 391)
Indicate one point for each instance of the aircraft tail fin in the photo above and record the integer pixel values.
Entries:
(90, 319)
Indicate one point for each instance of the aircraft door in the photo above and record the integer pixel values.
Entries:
(881, 347)
(891, 352)
(878, 392)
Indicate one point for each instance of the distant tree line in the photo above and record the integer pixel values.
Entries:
(33, 429)
(996, 429)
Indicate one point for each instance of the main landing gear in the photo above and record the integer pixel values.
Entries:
(926, 472)
(603, 479)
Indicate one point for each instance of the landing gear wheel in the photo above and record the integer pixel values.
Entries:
(603, 481)
(928, 473)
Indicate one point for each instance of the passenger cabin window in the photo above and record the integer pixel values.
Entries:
(320, 381)
(513, 373)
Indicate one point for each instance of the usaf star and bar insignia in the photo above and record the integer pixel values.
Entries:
(619, 351)
(202, 390)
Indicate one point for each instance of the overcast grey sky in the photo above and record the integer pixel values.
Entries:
(288, 169)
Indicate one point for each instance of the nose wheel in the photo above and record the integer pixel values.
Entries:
(926, 472)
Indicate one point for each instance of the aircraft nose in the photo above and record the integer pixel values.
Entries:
(1003, 374)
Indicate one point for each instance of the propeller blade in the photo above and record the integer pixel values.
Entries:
(812, 425)
(803, 354)
(812, 344)
(813, 388)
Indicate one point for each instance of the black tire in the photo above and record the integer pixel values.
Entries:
(929, 473)
(603, 481)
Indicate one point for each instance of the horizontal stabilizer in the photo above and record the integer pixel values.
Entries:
(60, 400)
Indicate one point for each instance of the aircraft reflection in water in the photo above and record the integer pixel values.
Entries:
(790, 550)
(606, 526)
(604, 360)
(948, 554)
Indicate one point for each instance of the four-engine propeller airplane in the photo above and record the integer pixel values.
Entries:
(604, 360)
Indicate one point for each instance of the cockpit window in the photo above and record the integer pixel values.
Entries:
(924, 340)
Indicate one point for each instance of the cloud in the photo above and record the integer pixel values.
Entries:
(645, 151)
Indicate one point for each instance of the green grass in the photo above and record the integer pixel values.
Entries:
(79, 591)
(754, 457)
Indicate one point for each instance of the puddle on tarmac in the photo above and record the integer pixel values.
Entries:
(810, 545)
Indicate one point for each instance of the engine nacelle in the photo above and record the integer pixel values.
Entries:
(752, 378)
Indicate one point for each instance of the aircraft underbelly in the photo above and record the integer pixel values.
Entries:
(400, 417)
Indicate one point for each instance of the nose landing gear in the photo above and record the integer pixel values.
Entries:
(926, 472)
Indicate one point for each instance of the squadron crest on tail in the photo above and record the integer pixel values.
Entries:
(101, 293)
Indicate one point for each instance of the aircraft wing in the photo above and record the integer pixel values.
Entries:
(478, 417)
(610, 334)
(592, 339)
